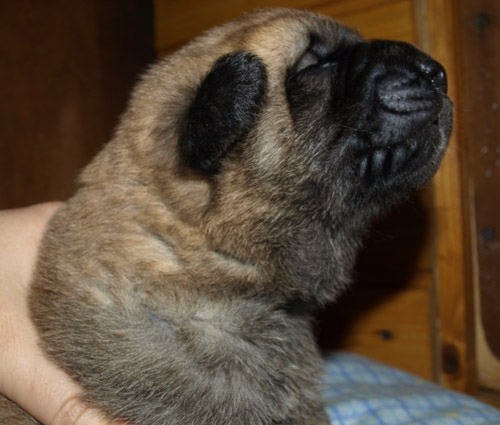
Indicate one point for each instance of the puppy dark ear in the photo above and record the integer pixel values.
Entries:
(223, 111)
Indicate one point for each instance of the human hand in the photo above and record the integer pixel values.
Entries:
(26, 376)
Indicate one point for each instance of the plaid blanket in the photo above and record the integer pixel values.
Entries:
(359, 391)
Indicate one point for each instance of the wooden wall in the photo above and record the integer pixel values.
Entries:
(67, 69)
(480, 114)
(177, 22)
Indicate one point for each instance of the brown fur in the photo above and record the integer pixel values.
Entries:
(176, 297)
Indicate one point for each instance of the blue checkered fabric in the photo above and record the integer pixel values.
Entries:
(363, 392)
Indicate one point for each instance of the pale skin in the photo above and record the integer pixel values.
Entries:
(26, 375)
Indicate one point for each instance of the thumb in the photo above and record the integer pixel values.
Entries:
(74, 412)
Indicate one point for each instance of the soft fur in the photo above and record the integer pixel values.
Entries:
(176, 285)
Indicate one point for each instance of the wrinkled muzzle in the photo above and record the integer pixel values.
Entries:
(400, 95)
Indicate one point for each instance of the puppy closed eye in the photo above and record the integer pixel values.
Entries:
(307, 60)
(312, 62)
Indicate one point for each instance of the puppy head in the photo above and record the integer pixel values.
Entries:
(383, 111)
(283, 133)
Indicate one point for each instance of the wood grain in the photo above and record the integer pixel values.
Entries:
(480, 37)
(177, 22)
(67, 69)
(372, 21)
(388, 325)
(453, 259)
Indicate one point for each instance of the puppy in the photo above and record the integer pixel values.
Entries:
(176, 285)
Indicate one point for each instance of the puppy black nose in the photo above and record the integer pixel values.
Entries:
(412, 89)
(435, 72)
(404, 92)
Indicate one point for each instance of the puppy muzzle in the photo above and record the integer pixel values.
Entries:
(403, 93)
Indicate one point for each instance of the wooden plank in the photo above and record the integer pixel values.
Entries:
(177, 22)
(393, 327)
(372, 21)
(453, 259)
(481, 76)
(67, 69)
(491, 398)
(488, 363)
